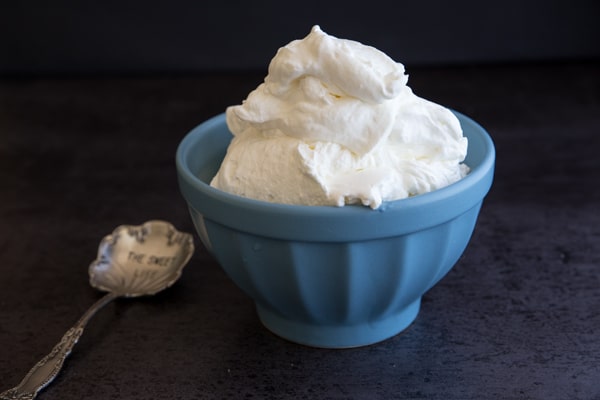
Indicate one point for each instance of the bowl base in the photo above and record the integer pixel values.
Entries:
(339, 336)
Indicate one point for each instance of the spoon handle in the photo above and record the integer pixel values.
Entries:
(48, 367)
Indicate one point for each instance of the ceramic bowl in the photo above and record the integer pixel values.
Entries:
(333, 277)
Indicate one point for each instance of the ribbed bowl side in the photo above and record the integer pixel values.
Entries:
(333, 283)
(198, 221)
(458, 236)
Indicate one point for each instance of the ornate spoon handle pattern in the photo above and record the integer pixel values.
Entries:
(48, 367)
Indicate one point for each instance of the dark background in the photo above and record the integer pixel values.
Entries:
(182, 36)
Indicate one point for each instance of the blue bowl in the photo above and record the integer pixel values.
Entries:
(333, 277)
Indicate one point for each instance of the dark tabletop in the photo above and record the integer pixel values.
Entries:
(518, 317)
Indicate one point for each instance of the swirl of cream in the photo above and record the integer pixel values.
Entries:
(322, 88)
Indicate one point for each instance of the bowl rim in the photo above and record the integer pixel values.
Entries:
(216, 205)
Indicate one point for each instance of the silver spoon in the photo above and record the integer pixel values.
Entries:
(132, 261)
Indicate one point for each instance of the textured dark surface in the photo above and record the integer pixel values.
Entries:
(517, 318)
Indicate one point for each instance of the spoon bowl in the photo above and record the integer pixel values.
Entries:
(140, 260)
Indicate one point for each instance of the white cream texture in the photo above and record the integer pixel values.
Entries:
(334, 123)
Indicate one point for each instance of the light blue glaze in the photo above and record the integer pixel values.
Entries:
(328, 276)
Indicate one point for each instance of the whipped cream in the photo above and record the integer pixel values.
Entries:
(335, 123)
